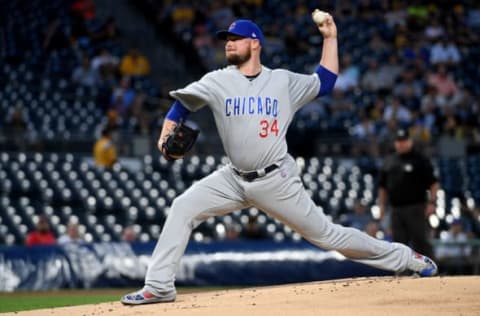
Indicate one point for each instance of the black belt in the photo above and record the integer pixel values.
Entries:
(250, 176)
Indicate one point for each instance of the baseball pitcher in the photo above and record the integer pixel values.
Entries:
(253, 106)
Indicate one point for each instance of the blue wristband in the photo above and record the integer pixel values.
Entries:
(327, 80)
(177, 112)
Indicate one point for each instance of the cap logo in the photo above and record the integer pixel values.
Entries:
(254, 35)
(232, 26)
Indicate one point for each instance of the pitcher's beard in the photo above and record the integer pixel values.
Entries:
(237, 59)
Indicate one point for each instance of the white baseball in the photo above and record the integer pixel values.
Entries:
(319, 16)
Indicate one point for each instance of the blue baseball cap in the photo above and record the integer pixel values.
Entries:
(243, 28)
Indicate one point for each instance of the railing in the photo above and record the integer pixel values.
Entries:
(467, 258)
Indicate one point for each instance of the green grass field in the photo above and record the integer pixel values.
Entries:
(22, 301)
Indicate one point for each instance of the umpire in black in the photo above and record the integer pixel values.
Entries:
(407, 183)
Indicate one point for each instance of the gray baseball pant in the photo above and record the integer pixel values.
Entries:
(281, 195)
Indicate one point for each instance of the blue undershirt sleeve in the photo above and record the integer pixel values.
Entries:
(327, 80)
(177, 112)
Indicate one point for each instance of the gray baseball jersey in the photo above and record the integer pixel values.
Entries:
(252, 118)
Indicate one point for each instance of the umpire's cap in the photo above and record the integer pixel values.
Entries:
(243, 28)
(402, 134)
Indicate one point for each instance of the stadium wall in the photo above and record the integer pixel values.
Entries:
(104, 265)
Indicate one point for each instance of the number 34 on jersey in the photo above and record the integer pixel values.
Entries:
(268, 128)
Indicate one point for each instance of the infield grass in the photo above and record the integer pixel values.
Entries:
(23, 301)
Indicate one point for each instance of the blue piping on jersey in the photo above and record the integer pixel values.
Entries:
(177, 112)
(327, 80)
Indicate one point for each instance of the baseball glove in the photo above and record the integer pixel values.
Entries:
(179, 142)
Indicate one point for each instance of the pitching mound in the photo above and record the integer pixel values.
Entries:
(365, 296)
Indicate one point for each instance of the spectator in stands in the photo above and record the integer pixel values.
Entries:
(252, 229)
(377, 46)
(464, 34)
(84, 8)
(432, 99)
(396, 110)
(295, 45)
(470, 218)
(54, 36)
(134, 64)
(464, 103)
(105, 150)
(79, 32)
(377, 109)
(232, 231)
(182, 14)
(123, 97)
(410, 100)
(415, 52)
(364, 134)
(42, 235)
(84, 74)
(409, 80)
(434, 30)
(445, 51)
(72, 234)
(404, 181)
(143, 118)
(396, 14)
(204, 45)
(417, 16)
(108, 32)
(113, 120)
(451, 126)
(391, 71)
(129, 234)
(359, 218)
(429, 118)
(443, 82)
(386, 135)
(374, 79)
(15, 126)
(419, 131)
(451, 141)
(349, 74)
(401, 36)
(221, 14)
(372, 228)
(105, 61)
(454, 248)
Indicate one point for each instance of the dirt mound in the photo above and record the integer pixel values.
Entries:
(363, 296)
